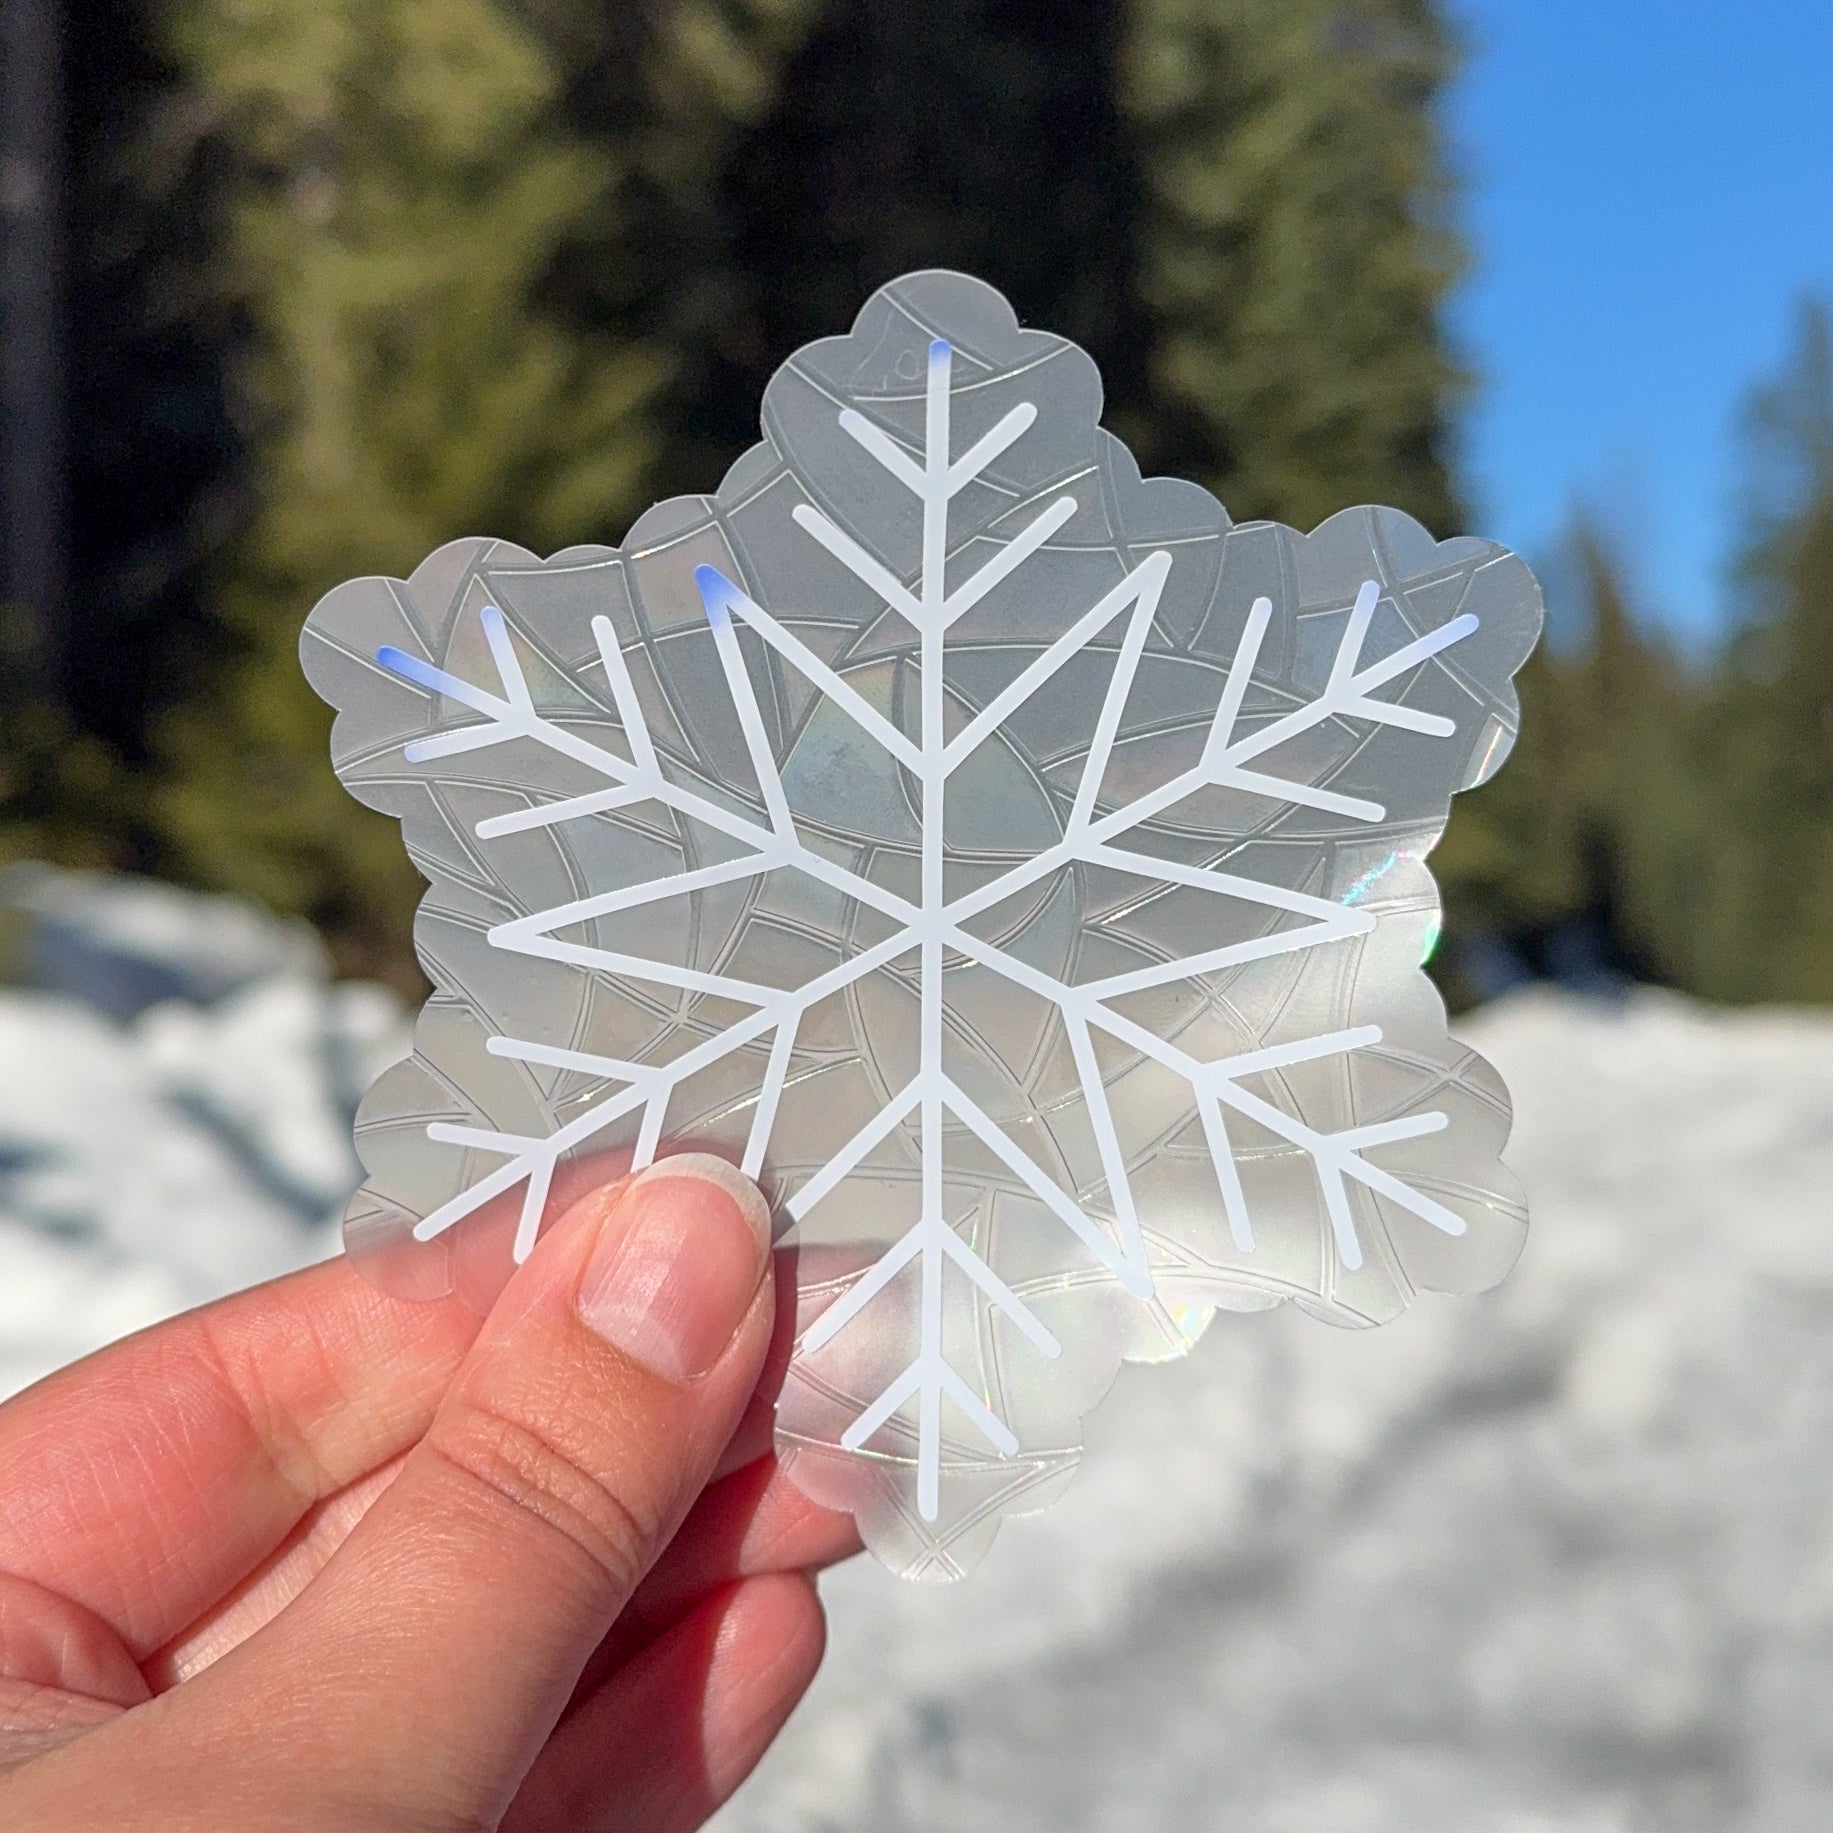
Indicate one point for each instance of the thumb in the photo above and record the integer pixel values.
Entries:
(425, 1667)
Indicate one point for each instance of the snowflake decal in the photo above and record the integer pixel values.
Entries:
(1009, 861)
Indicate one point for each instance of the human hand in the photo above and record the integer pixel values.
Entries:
(314, 1557)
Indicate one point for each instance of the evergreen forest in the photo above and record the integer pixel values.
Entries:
(347, 278)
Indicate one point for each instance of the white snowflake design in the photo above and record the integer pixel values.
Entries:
(876, 1376)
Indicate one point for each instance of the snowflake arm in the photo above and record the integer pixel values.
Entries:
(540, 1156)
(1345, 696)
(511, 714)
(722, 598)
(1139, 590)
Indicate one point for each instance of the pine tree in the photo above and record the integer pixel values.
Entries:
(678, 88)
(1238, 210)
(1583, 857)
(1774, 722)
(156, 484)
(982, 135)
(1644, 798)
(403, 194)
(1294, 252)
(1510, 864)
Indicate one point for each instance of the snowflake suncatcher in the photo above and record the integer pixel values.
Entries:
(1015, 865)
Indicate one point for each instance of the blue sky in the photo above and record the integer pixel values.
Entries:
(1648, 191)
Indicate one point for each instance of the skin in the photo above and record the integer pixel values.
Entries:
(315, 1557)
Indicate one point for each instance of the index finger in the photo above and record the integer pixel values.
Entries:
(147, 1480)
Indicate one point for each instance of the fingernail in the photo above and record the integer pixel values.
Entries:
(677, 1265)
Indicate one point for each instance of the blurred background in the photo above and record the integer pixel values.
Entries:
(298, 289)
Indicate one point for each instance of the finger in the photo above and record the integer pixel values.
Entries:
(755, 1435)
(750, 1524)
(743, 1526)
(670, 1737)
(285, 1572)
(62, 1672)
(273, 1584)
(421, 1673)
(756, 1429)
(146, 1480)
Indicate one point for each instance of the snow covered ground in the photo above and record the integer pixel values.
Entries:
(1558, 1558)
(176, 1088)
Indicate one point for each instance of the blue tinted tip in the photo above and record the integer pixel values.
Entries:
(938, 350)
(409, 668)
(715, 592)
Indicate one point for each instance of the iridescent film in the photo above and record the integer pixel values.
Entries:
(1013, 863)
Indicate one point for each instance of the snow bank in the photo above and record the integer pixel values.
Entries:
(119, 944)
(1558, 1558)
(175, 1103)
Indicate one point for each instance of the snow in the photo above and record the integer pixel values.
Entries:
(1558, 1558)
(119, 944)
(156, 1154)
